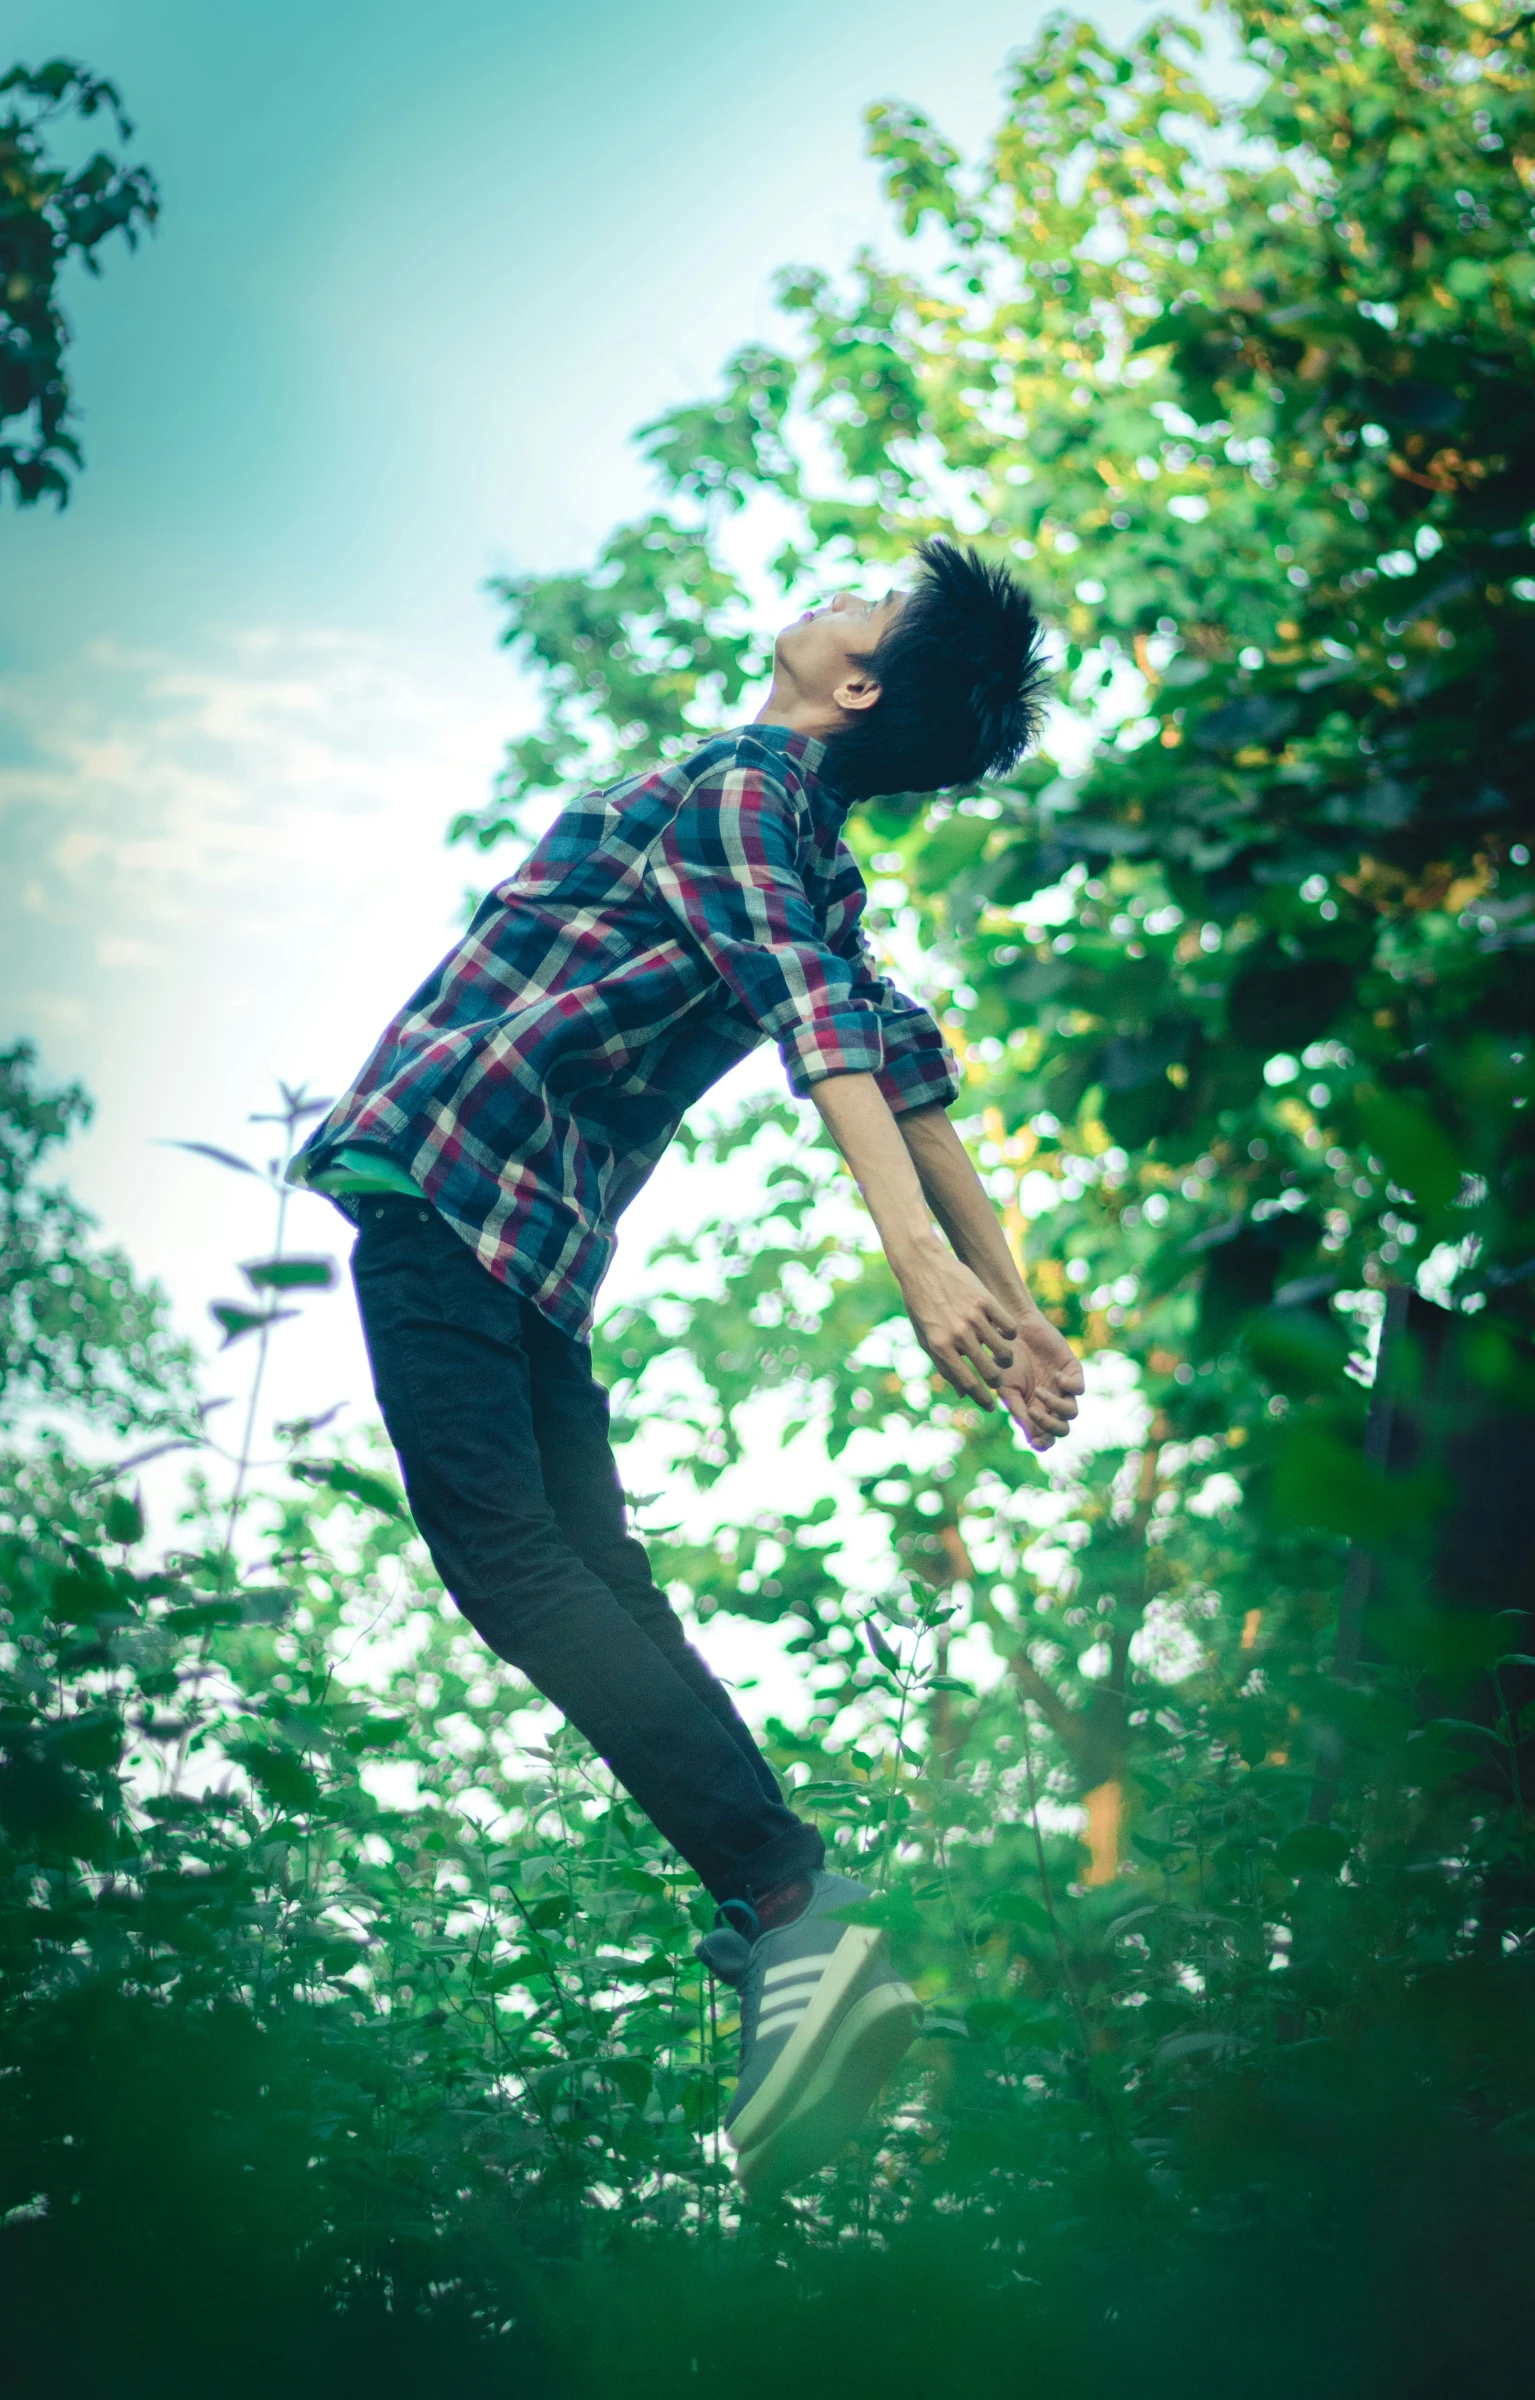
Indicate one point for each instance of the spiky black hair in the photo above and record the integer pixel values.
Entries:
(961, 672)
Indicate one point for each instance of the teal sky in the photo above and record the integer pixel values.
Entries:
(420, 272)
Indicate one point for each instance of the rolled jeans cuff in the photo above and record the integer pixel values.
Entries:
(799, 1852)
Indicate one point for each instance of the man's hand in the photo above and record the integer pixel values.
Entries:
(965, 1330)
(1041, 1386)
(972, 1312)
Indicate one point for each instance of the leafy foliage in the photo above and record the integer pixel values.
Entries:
(76, 1326)
(1210, 1855)
(1243, 992)
(47, 217)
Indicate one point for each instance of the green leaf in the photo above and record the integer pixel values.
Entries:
(895, 1912)
(222, 1158)
(291, 1274)
(507, 1973)
(379, 1733)
(337, 1475)
(887, 1655)
(639, 1879)
(1454, 1645)
(1297, 1349)
(279, 1772)
(1312, 1850)
(124, 1520)
(1019, 1908)
(1500, 1363)
(986, 2017)
(204, 1616)
(1278, 1004)
(1466, 1726)
(1417, 1151)
(92, 1739)
(1264, 718)
(266, 1604)
(1323, 1481)
(633, 2077)
(237, 1320)
(1213, 2045)
(78, 1597)
(341, 1957)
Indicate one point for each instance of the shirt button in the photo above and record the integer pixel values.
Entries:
(423, 1214)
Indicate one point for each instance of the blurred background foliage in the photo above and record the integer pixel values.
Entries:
(1192, 1769)
(51, 215)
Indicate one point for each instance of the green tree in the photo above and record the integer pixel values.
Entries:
(48, 216)
(78, 1330)
(1243, 995)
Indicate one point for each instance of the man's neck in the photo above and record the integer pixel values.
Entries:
(784, 706)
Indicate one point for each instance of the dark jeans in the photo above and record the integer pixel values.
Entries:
(502, 1436)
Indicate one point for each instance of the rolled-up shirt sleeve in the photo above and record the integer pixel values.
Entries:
(918, 1069)
(727, 868)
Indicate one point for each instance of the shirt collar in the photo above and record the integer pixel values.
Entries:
(808, 753)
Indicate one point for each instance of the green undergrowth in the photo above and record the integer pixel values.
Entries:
(317, 2079)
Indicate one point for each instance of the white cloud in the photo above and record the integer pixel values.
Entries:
(121, 950)
(218, 867)
(173, 787)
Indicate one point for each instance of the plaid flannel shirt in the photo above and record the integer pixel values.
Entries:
(661, 930)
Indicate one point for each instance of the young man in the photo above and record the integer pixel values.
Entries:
(662, 929)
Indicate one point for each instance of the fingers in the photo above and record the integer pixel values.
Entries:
(1039, 1426)
(987, 1354)
(999, 1321)
(1056, 1405)
(1038, 1436)
(971, 1369)
(965, 1380)
(981, 1338)
(966, 1331)
(1045, 1413)
(966, 1362)
(1051, 1382)
(975, 1352)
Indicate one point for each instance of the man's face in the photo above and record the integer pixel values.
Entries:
(823, 651)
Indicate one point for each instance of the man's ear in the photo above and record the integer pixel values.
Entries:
(857, 693)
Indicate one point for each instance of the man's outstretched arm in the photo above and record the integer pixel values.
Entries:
(971, 1311)
(1044, 1382)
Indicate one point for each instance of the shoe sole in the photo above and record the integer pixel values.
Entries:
(853, 1961)
(865, 2050)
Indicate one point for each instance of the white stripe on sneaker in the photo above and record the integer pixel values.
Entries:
(774, 2020)
(837, 1984)
(867, 2046)
(795, 1970)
